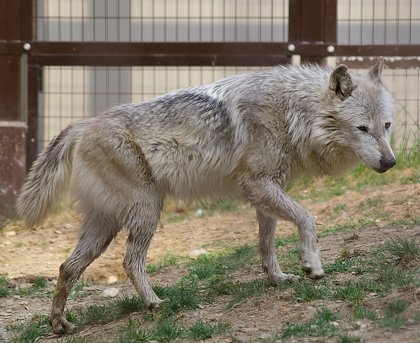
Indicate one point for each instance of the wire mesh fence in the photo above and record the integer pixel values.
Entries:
(378, 22)
(163, 20)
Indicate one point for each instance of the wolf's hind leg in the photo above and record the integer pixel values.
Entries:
(96, 232)
(270, 263)
(141, 224)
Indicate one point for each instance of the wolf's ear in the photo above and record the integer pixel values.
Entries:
(341, 83)
(376, 72)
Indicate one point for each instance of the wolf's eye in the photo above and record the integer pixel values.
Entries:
(363, 128)
(387, 125)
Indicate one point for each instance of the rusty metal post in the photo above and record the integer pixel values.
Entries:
(33, 94)
(16, 28)
(12, 163)
(313, 22)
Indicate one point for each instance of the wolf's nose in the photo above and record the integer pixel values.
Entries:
(387, 163)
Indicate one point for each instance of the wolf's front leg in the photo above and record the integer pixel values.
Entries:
(270, 200)
(270, 264)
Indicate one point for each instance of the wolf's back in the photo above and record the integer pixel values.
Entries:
(49, 176)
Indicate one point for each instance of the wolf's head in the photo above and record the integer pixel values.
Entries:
(365, 109)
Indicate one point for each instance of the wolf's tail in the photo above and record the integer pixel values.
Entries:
(50, 176)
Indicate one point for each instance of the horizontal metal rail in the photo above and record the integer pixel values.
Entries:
(191, 54)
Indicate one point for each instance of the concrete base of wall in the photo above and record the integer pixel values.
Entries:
(12, 164)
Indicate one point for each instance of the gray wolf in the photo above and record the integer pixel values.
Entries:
(247, 134)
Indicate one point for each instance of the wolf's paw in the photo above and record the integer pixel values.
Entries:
(278, 279)
(155, 303)
(62, 326)
(311, 265)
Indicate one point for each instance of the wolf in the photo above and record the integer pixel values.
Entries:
(247, 134)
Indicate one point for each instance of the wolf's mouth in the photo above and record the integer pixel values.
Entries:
(381, 170)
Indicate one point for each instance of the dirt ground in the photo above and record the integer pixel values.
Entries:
(27, 254)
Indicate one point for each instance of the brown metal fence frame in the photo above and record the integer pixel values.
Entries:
(312, 35)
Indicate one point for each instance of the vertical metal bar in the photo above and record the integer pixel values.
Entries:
(83, 22)
(272, 19)
(27, 20)
(32, 134)
(106, 21)
(373, 21)
(295, 21)
(361, 23)
(165, 19)
(385, 21)
(330, 31)
(177, 21)
(411, 23)
(224, 20)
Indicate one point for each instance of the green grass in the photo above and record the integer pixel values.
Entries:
(168, 330)
(349, 339)
(307, 290)
(402, 250)
(362, 312)
(394, 318)
(4, 290)
(319, 325)
(340, 266)
(37, 287)
(31, 332)
(202, 330)
(166, 261)
(133, 335)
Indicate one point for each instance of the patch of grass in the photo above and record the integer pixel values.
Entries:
(291, 239)
(243, 291)
(307, 291)
(167, 331)
(75, 339)
(37, 286)
(390, 277)
(347, 227)
(349, 339)
(31, 332)
(179, 297)
(394, 318)
(164, 262)
(353, 292)
(413, 178)
(403, 250)
(202, 330)
(133, 335)
(362, 312)
(339, 266)
(205, 271)
(40, 283)
(227, 260)
(4, 290)
(79, 285)
(319, 325)
(106, 313)
(396, 307)
(129, 304)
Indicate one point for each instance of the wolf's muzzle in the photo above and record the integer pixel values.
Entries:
(386, 164)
